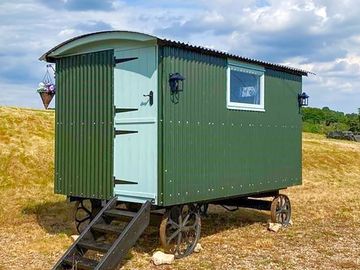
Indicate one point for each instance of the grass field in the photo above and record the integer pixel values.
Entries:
(35, 224)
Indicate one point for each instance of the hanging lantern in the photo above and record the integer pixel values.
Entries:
(303, 99)
(175, 82)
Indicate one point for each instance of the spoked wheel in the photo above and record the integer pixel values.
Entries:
(180, 230)
(84, 211)
(281, 210)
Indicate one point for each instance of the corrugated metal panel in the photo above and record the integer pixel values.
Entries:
(166, 42)
(84, 125)
(204, 50)
(211, 152)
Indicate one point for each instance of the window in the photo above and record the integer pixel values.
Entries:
(245, 87)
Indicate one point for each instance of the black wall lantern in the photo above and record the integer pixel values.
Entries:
(303, 99)
(175, 82)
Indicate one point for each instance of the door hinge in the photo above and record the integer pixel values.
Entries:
(122, 60)
(123, 132)
(121, 110)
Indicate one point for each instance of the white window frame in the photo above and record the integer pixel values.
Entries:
(257, 70)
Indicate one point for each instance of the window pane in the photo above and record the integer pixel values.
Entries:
(244, 87)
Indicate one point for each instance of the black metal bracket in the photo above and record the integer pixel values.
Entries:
(122, 60)
(122, 132)
(124, 182)
(122, 110)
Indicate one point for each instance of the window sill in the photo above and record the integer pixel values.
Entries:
(240, 108)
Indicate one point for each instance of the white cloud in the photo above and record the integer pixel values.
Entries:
(318, 35)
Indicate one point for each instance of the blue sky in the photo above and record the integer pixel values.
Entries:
(318, 35)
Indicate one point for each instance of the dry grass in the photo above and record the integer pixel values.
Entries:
(35, 224)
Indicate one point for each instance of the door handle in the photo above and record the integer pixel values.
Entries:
(151, 97)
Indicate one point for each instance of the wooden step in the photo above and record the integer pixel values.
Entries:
(92, 245)
(78, 262)
(106, 228)
(117, 213)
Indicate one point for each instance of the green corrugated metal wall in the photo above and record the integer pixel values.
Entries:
(211, 152)
(84, 125)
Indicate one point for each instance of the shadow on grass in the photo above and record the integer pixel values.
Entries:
(54, 217)
(218, 220)
(57, 218)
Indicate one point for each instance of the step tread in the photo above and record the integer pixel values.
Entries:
(107, 228)
(92, 245)
(119, 213)
(81, 262)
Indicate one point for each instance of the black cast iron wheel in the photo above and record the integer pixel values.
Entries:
(84, 212)
(281, 210)
(180, 230)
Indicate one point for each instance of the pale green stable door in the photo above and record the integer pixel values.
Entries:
(135, 146)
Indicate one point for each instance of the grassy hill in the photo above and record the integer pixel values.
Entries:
(35, 224)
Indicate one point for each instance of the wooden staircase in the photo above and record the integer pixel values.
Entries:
(108, 235)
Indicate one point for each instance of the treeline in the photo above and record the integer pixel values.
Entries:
(324, 120)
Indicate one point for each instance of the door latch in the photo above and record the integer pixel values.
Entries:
(151, 97)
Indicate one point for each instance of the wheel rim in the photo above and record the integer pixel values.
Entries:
(281, 210)
(180, 230)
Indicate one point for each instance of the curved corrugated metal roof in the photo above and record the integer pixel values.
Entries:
(200, 49)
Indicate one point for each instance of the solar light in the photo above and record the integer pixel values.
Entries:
(303, 99)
